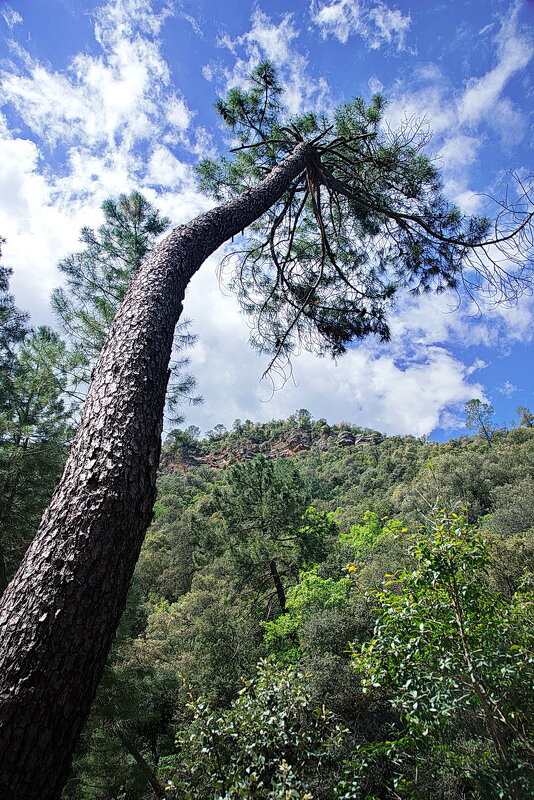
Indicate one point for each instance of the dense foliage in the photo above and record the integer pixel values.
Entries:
(34, 427)
(301, 624)
(305, 625)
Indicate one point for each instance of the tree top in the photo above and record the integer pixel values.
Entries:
(365, 218)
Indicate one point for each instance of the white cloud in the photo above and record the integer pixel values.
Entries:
(478, 363)
(11, 17)
(24, 196)
(411, 385)
(164, 169)
(94, 116)
(375, 85)
(460, 118)
(109, 99)
(468, 201)
(435, 319)
(177, 113)
(482, 95)
(18, 169)
(264, 39)
(377, 24)
(273, 40)
(464, 120)
(460, 150)
(126, 19)
(508, 388)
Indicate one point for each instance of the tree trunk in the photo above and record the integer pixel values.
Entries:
(3, 572)
(158, 788)
(59, 614)
(278, 585)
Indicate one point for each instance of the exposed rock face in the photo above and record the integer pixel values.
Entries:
(296, 442)
(376, 439)
(345, 439)
(293, 442)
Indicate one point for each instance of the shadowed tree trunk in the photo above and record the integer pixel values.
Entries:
(280, 593)
(59, 614)
(128, 744)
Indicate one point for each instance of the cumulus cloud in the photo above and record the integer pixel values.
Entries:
(111, 119)
(274, 41)
(106, 100)
(412, 385)
(377, 23)
(440, 318)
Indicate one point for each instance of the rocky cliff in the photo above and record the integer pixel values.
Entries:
(284, 444)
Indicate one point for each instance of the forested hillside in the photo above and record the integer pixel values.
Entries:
(321, 611)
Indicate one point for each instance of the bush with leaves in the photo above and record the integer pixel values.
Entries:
(267, 530)
(457, 659)
(273, 743)
(312, 595)
(35, 428)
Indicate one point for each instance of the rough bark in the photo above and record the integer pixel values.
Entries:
(60, 612)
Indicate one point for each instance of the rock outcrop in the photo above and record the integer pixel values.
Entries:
(284, 445)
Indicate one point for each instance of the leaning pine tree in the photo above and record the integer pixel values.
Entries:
(338, 216)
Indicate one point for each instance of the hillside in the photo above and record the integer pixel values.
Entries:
(276, 439)
(266, 543)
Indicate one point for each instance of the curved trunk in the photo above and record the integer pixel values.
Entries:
(59, 614)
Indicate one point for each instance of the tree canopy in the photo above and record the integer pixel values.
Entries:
(98, 276)
(34, 426)
(366, 217)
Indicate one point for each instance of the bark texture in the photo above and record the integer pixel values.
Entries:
(59, 614)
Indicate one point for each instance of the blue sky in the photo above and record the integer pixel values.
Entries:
(101, 98)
